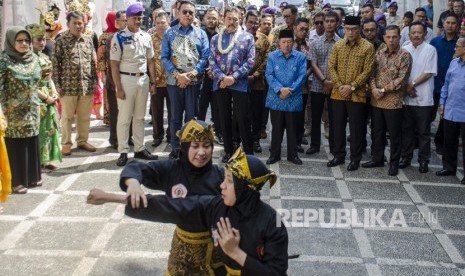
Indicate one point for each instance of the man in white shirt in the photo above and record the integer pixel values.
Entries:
(419, 100)
(420, 16)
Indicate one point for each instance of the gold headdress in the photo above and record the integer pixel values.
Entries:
(239, 167)
(79, 5)
(195, 132)
(36, 30)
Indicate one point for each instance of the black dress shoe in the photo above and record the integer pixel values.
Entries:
(145, 154)
(423, 167)
(296, 160)
(404, 163)
(299, 149)
(439, 149)
(335, 162)
(463, 181)
(304, 141)
(272, 160)
(393, 170)
(373, 164)
(226, 157)
(353, 165)
(256, 147)
(122, 160)
(312, 150)
(174, 154)
(157, 142)
(445, 173)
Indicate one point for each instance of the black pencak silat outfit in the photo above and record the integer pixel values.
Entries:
(265, 243)
(191, 248)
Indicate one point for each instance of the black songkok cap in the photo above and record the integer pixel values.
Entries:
(286, 34)
(352, 20)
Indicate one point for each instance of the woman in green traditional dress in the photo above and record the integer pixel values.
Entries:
(19, 78)
(49, 138)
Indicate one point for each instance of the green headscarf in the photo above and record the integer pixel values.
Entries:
(9, 46)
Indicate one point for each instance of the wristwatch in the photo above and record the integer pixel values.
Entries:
(381, 90)
(352, 88)
(414, 83)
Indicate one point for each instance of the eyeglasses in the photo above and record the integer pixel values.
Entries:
(185, 12)
(288, 16)
(369, 30)
(304, 29)
(21, 41)
(318, 23)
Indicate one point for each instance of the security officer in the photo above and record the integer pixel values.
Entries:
(131, 52)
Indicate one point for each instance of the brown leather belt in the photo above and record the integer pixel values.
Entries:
(132, 74)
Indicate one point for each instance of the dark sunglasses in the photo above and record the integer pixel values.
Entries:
(21, 41)
(318, 22)
(185, 12)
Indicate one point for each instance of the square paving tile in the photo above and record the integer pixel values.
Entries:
(16, 204)
(325, 269)
(87, 181)
(449, 218)
(404, 245)
(323, 207)
(6, 227)
(459, 242)
(441, 194)
(410, 213)
(373, 173)
(309, 188)
(413, 174)
(378, 191)
(38, 265)
(322, 242)
(52, 180)
(75, 206)
(307, 168)
(129, 266)
(418, 271)
(58, 236)
(151, 237)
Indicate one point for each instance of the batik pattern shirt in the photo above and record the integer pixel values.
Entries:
(102, 61)
(160, 72)
(238, 63)
(19, 96)
(351, 65)
(262, 48)
(74, 65)
(184, 50)
(391, 72)
(320, 49)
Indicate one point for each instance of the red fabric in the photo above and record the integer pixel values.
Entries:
(111, 17)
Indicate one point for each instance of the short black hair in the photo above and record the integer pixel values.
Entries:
(451, 14)
(251, 13)
(392, 27)
(266, 15)
(368, 5)
(119, 14)
(185, 2)
(334, 14)
(74, 14)
(292, 8)
(369, 20)
(319, 14)
(241, 9)
(423, 25)
(300, 20)
(343, 12)
(231, 9)
(409, 14)
(420, 9)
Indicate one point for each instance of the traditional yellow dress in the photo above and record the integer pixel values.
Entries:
(5, 173)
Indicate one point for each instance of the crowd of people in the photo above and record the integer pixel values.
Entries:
(375, 70)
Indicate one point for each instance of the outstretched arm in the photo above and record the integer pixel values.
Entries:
(99, 197)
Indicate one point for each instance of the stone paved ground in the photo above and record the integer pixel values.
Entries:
(51, 231)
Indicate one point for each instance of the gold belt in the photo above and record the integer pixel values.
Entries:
(193, 238)
(232, 272)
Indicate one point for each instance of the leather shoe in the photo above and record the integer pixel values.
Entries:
(87, 147)
(445, 173)
(393, 170)
(463, 181)
(312, 150)
(304, 141)
(373, 164)
(226, 157)
(272, 160)
(122, 160)
(296, 160)
(299, 149)
(404, 163)
(256, 147)
(353, 165)
(145, 154)
(423, 167)
(174, 154)
(66, 150)
(335, 162)
(157, 142)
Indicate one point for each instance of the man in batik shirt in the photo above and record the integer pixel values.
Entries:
(289, 15)
(232, 57)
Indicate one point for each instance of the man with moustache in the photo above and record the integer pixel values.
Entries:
(289, 15)
(420, 16)
(368, 12)
(130, 55)
(350, 65)
(387, 84)
(266, 24)
(392, 18)
(232, 58)
(184, 56)
(207, 97)
(419, 100)
(256, 78)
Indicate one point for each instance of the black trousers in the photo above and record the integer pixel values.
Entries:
(416, 119)
(439, 137)
(451, 144)
(208, 98)
(157, 105)
(24, 157)
(386, 120)
(236, 102)
(356, 113)
(280, 121)
(300, 120)
(257, 105)
(113, 112)
(317, 101)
